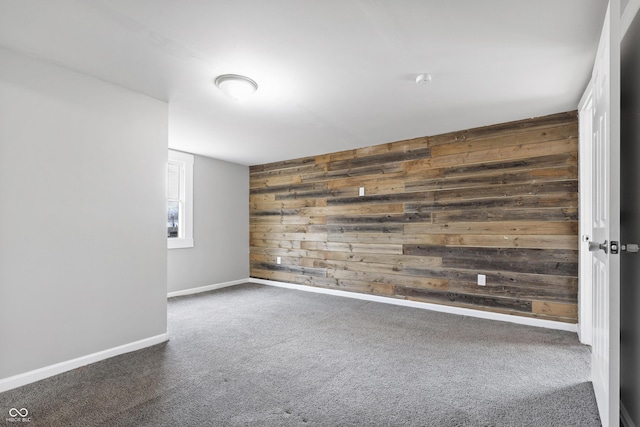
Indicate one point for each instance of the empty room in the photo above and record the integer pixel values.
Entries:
(319, 213)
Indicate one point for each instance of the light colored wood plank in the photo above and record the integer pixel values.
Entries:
(556, 309)
(273, 252)
(491, 228)
(396, 260)
(397, 178)
(285, 260)
(510, 128)
(273, 275)
(390, 279)
(294, 237)
(377, 238)
(282, 244)
(505, 153)
(348, 285)
(274, 181)
(362, 209)
(353, 247)
(261, 198)
(527, 137)
(287, 204)
(279, 228)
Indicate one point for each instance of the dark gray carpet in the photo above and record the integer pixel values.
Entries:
(264, 356)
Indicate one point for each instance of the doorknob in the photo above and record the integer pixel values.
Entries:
(595, 246)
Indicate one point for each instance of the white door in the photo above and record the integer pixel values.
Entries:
(605, 220)
(585, 294)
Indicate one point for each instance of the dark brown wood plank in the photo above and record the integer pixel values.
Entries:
(289, 188)
(536, 162)
(296, 170)
(362, 171)
(282, 165)
(554, 255)
(495, 215)
(380, 159)
(281, 212)
(382, 198)
(459, 298)
(365, 228)
(306, 271)
(379, 219)
(529, 176)
(563, 200)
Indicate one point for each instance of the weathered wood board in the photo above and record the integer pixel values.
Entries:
(437, 211)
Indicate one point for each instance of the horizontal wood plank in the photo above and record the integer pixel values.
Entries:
(489, 228)
(430, 295)
(495, 241)
(509, 128)
(494, 215)
(559, 309)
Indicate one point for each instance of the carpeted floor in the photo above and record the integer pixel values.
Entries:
(255, 355)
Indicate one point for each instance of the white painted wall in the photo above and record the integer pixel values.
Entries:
(82, 215)
(220, 228)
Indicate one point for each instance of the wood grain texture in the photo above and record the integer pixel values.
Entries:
(499, 200)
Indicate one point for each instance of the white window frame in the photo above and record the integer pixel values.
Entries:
(185, 162)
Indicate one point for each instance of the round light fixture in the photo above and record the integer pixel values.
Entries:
(236, 86)
(423, 79)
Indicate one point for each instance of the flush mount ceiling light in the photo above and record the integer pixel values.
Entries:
(423, 79)
(236, 86)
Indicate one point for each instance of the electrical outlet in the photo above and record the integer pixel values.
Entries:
(361, 192)
(278, 260)
(482, 280)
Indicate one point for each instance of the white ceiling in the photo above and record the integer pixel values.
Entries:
(332, 74)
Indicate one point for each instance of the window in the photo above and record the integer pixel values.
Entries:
(179, 200)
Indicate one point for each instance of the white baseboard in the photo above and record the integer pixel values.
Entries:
(205, 288)
(625, 418)
(49, 371)
(541, 323)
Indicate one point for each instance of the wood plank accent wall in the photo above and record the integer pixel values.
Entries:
(499, 200)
